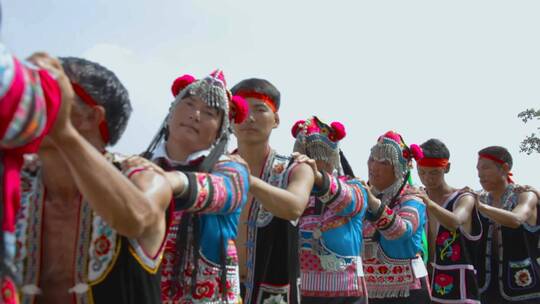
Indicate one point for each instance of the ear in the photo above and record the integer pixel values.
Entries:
(98, 114)
(276, 120)
(447, 169)
(506, 168)
(91, 118)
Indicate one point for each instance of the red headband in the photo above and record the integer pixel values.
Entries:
(433, 162)
(266, 99)
(499, 161)
(87, 99)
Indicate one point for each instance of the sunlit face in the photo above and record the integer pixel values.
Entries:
(194, 124)
(381, 173)
(491, 174)
(431, 177)
(259, 124)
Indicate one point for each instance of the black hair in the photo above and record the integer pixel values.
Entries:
(105, 88)
(261, 86)
(434, 148)
(499, 153)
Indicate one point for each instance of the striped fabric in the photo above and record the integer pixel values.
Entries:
(22, 117)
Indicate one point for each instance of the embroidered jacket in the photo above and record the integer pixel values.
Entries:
(393, 242)
(272, 244)
(208, 214)
(518, 254)
(454, 276)
(109, 268)
(331, 240)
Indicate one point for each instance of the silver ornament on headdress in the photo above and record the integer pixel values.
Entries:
(389, 152)
(213, 91)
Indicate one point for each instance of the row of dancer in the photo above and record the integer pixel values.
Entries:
(191, 223)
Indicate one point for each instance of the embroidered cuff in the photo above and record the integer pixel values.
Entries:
(190, 196)
(376, 215)
(316, 191)
(185, 182)
(386, 219)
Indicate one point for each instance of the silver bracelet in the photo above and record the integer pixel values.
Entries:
(185, 181)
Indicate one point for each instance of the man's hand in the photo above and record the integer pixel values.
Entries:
(54, 67)
(477, 203)
(527, 188)
(421, 193)
(304, 159)
(373, 203)
(238, 159)
(138, 162)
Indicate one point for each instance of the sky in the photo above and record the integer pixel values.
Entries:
(459, 71)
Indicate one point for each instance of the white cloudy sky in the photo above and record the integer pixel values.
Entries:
(460, 71)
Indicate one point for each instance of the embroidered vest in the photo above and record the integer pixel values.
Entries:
(326, 273)
(454, 275)
(109, 268)
(208, 287)
(518, 260)
(272, 245)
(388, 277)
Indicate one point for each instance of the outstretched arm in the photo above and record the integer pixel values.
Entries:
(451, 220)
(527, 204)
(222, 191)
(395, 225)
(134, 209)
(344, 197)
(289, 203)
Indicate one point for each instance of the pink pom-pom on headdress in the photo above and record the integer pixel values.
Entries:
(296, 127)
(339, 130)
(393, 136)
(417, 152)
(181, 83)
(239, 109)
(219, 75)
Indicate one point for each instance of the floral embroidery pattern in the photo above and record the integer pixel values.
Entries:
(102, 249)
(449, 250)
(523, 278)
(443, 284)
(204, 290)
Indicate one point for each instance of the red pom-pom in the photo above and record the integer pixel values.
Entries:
(406, 154)
(296, 127)
(339, 130)
(181, 83)
(219, 75)
(393, 136)
(239, 109)
(417, 152)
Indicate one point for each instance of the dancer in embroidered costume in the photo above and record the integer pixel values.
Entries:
(454, 226)
(268, 238)
(331, 226)
(200, 261)
(508, 271)
(29, 104)
(87, 233)
(394, 229)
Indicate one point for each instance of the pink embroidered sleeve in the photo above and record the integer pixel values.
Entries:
(222, 191)
(342, 195)
(22, 103)
(403, 223)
